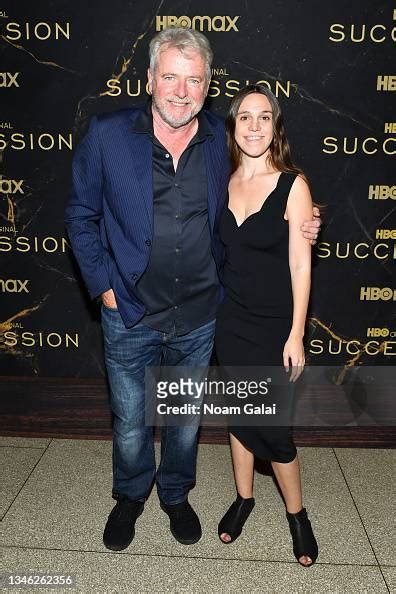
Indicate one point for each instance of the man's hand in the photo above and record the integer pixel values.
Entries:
(311, 229)
(108, 299)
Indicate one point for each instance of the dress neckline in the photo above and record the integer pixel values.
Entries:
(257, 211)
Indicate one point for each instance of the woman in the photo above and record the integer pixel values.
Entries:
(267, 282)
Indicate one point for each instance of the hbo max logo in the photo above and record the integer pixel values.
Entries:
(382, 192)
(380, 332)
(11, 186)
(12, 285)
(376, 293)
(7, 79)
(202, 23)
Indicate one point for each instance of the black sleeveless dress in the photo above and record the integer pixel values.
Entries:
(255, 318)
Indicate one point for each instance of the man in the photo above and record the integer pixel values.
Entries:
(148, 188)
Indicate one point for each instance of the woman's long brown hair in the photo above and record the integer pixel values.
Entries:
(279, 150)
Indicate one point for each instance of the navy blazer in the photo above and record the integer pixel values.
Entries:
(109, 216)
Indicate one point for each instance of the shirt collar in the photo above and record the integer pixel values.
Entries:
(144, 120)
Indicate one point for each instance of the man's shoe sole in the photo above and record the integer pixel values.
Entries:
(115, 548)
(189, 541)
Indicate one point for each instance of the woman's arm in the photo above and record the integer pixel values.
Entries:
(298, 210)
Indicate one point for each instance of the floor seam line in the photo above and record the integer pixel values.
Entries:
(25, 481)
(361, 520)
(202, 558)
(24, 447)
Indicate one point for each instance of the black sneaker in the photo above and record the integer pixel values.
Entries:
(184, 522)
(120, 526)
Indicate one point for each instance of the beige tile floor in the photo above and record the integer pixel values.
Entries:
(54, 500)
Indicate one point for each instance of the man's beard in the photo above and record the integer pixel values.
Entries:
(169, 118)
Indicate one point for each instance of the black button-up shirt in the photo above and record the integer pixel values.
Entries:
(180, 286)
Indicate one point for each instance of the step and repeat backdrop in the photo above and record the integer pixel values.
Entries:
(332, 67)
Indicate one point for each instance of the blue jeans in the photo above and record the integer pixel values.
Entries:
(127, 353)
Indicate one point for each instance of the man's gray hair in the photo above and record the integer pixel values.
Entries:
(184, 39)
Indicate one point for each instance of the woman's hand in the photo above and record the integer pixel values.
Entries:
(294, 352)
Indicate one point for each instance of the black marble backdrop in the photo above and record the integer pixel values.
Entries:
(331, 65)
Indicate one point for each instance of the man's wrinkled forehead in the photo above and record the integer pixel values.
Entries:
(187, 52)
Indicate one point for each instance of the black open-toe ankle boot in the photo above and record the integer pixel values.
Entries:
(235, 517)
(304, 541)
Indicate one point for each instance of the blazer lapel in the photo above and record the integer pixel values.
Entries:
(213, 165)
(141, 152)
